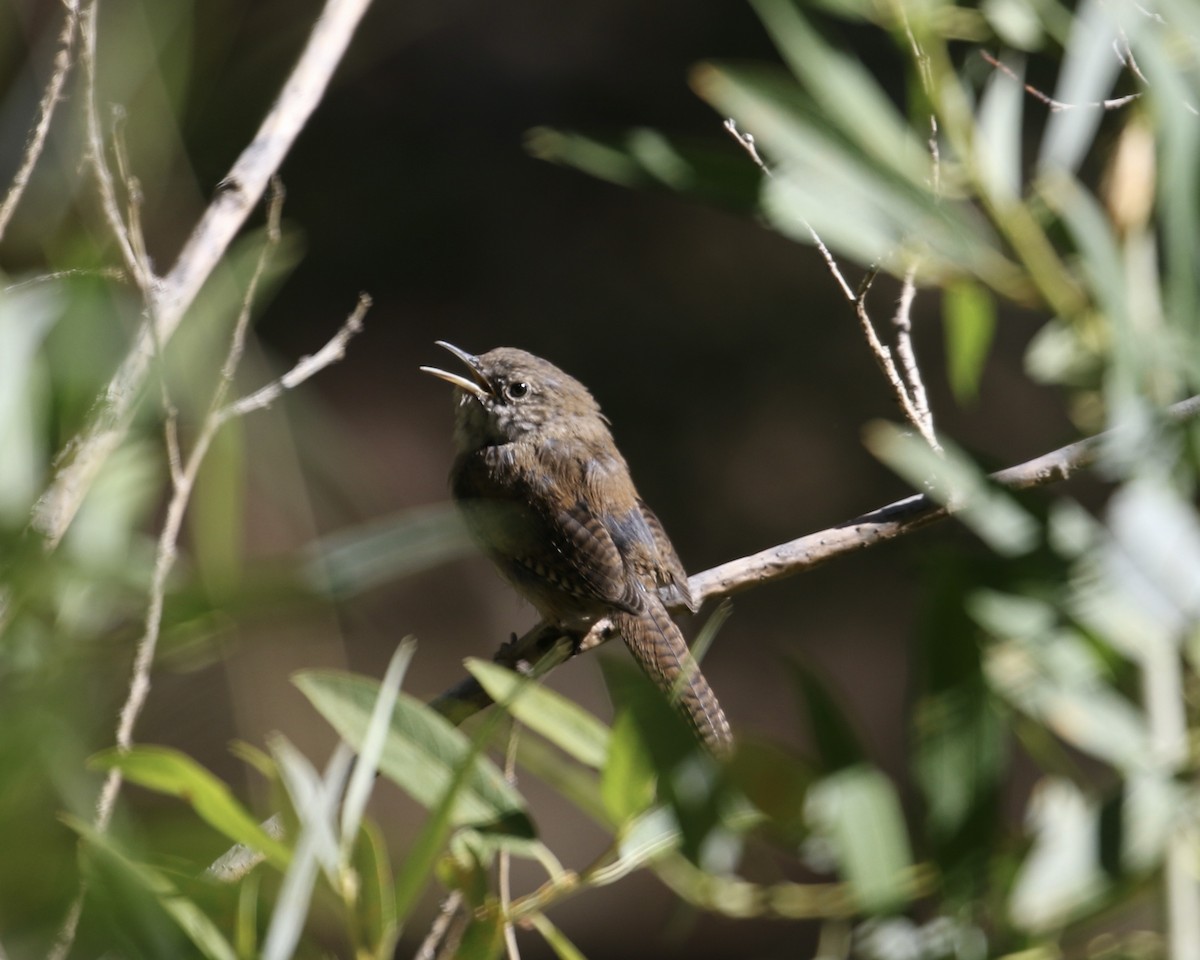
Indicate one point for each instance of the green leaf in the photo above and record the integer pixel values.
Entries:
(1088, 71)
(354, 560)
(1062, 874)
(627, 786)
(377, 896)
(172, 772)
(1059, 681)
(562, 722)
(362, 778)
(192, 920)
(563, 948)
(954, 480)
(859, 811)
(998, 135)
(776, 782)
(969, 315)
(837, 742)
(422, 753)
(845, 92)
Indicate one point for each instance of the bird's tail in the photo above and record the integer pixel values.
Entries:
(660, 650)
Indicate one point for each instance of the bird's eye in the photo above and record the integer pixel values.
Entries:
(516, 390)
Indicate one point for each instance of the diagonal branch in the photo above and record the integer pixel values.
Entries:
(50, 100)
(796, 556)
(173, 294)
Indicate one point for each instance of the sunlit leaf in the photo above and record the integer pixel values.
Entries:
(627, 786)
(952, 479)
(422, 753)
(172, 772)
(1089, 68)
(858, 810)
(562, 722)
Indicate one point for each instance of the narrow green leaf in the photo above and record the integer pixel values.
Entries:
(998, 133)
(627, 786)
(1088, 71)
(352, 561)
(172, 772)
(423, 751)
(377, 896)
(191, 919)
(562, 722)
(563, 948)
(362, 778)
(1062, 873)
(836, 739)
(246, 920)
(969, 316)
(845, 92)
(954, 480)
(859, 811)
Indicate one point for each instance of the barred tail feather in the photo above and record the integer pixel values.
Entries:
(660, 650)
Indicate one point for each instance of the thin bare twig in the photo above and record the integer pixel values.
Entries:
(134, 265)
(1056, 106)
(103, 273)
(241, 189)
(51, 97)
(907, 388)
(432, 943)
(746, 142)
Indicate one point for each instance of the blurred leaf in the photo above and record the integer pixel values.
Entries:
(385, 550)
(859, 207)
(190, 917)
(845, 92)
(952, 479)
(246, 920)
(172, 772)
(572, 780)
(362, 779)
(315, 800)
(969, 315)
(776, 782)
(26, 317)
(1015, 21)
(689, 778)
(837, 742)
(998, 135)
(627, 786)
(647, 159)
(1089, 68)
(563, 948)
(1057, 681)
(377, 894)
(858, 810)
(562, 722)
(422, 753)
(712, 626)
(1062, 873)
(483, 939)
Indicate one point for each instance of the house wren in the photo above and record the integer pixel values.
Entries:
(548, 497)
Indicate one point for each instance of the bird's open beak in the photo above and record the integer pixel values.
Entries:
(478, 386)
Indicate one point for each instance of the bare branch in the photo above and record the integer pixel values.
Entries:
(796, 556)
(746, 142)
(908, 389)
(1057, 106)
(332, 352)
(240, 190)
(63, 61)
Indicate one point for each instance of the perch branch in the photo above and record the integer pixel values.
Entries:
(804, 553)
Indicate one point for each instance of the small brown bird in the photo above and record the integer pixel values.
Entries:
(548, 497)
